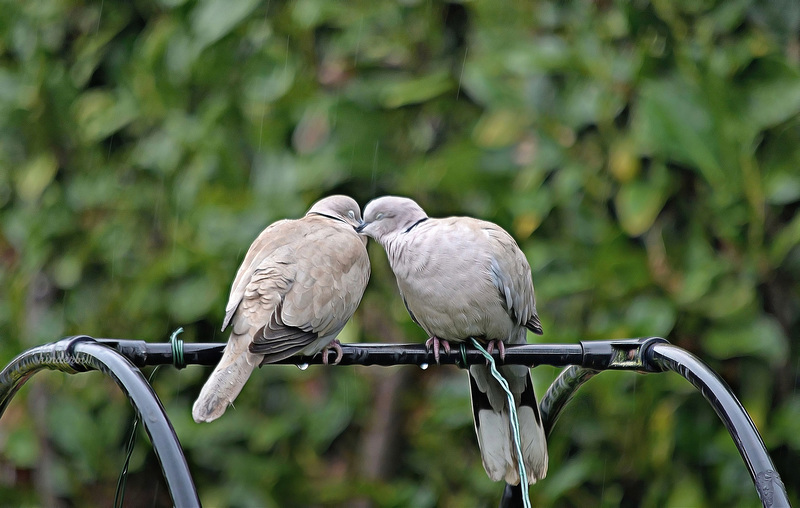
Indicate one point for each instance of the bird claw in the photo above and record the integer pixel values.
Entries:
(501, 347)
(336, 346)
(435, 343)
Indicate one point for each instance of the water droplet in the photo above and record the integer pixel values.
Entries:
(423, 366)
(302, 366)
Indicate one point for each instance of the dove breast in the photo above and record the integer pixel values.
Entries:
(458, 277)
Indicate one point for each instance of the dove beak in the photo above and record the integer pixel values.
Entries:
(361, 226)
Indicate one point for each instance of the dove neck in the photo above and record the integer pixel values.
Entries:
(328, 216)
(395, 248)
(415, 224)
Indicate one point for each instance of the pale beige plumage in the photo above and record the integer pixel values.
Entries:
(299, 283)
(459, 278)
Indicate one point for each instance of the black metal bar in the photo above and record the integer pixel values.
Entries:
(768, 482)
(622, 354)
(81, 353)
(584, 360)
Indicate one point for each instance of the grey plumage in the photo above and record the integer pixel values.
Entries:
(461, 277)
(300, 282)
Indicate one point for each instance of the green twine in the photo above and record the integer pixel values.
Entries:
(523, 475)
(179, 363)
(177, 349)
(462, 362)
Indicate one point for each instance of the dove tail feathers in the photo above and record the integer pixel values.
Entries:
(494, 431)
(226, 381)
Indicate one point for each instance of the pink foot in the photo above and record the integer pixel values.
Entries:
(336, 346)
(435, 343)
(500, 347)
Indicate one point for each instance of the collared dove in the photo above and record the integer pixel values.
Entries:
(299, 283)
(461, 277)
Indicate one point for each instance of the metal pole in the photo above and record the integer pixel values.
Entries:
(81, 353)
(768, 482)
(625, 354)
(656, 355)
(561, 392)
(116, 357)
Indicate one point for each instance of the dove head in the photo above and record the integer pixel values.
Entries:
(338, 207)
(390, 215)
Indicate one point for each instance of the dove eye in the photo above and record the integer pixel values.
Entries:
(379, 216)
(351, 214)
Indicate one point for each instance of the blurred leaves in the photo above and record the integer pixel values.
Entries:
(402, 93)
(758, 338)
(34, 178)
(643, 154)
(772, 95)
(100, 114)
(639, 202)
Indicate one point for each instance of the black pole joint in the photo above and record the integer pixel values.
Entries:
(628, 354)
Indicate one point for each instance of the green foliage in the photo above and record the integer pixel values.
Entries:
(644, 154)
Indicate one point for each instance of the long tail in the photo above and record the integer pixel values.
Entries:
(493, 425)
(226, 381)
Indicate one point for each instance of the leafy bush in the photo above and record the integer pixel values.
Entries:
(644, 154)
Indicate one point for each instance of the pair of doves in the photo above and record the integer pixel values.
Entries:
(459, 277)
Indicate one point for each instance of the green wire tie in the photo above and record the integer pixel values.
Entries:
(462, 362)
(177, 349)
(523, 475)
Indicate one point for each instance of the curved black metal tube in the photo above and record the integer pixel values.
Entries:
(768, 482)
(48, 356)
(77, 354)
(561, 392)
(656, 355)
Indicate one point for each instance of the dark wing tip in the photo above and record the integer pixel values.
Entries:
(277, 340)
(480, 401)
(534, 325)
(528, 398)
